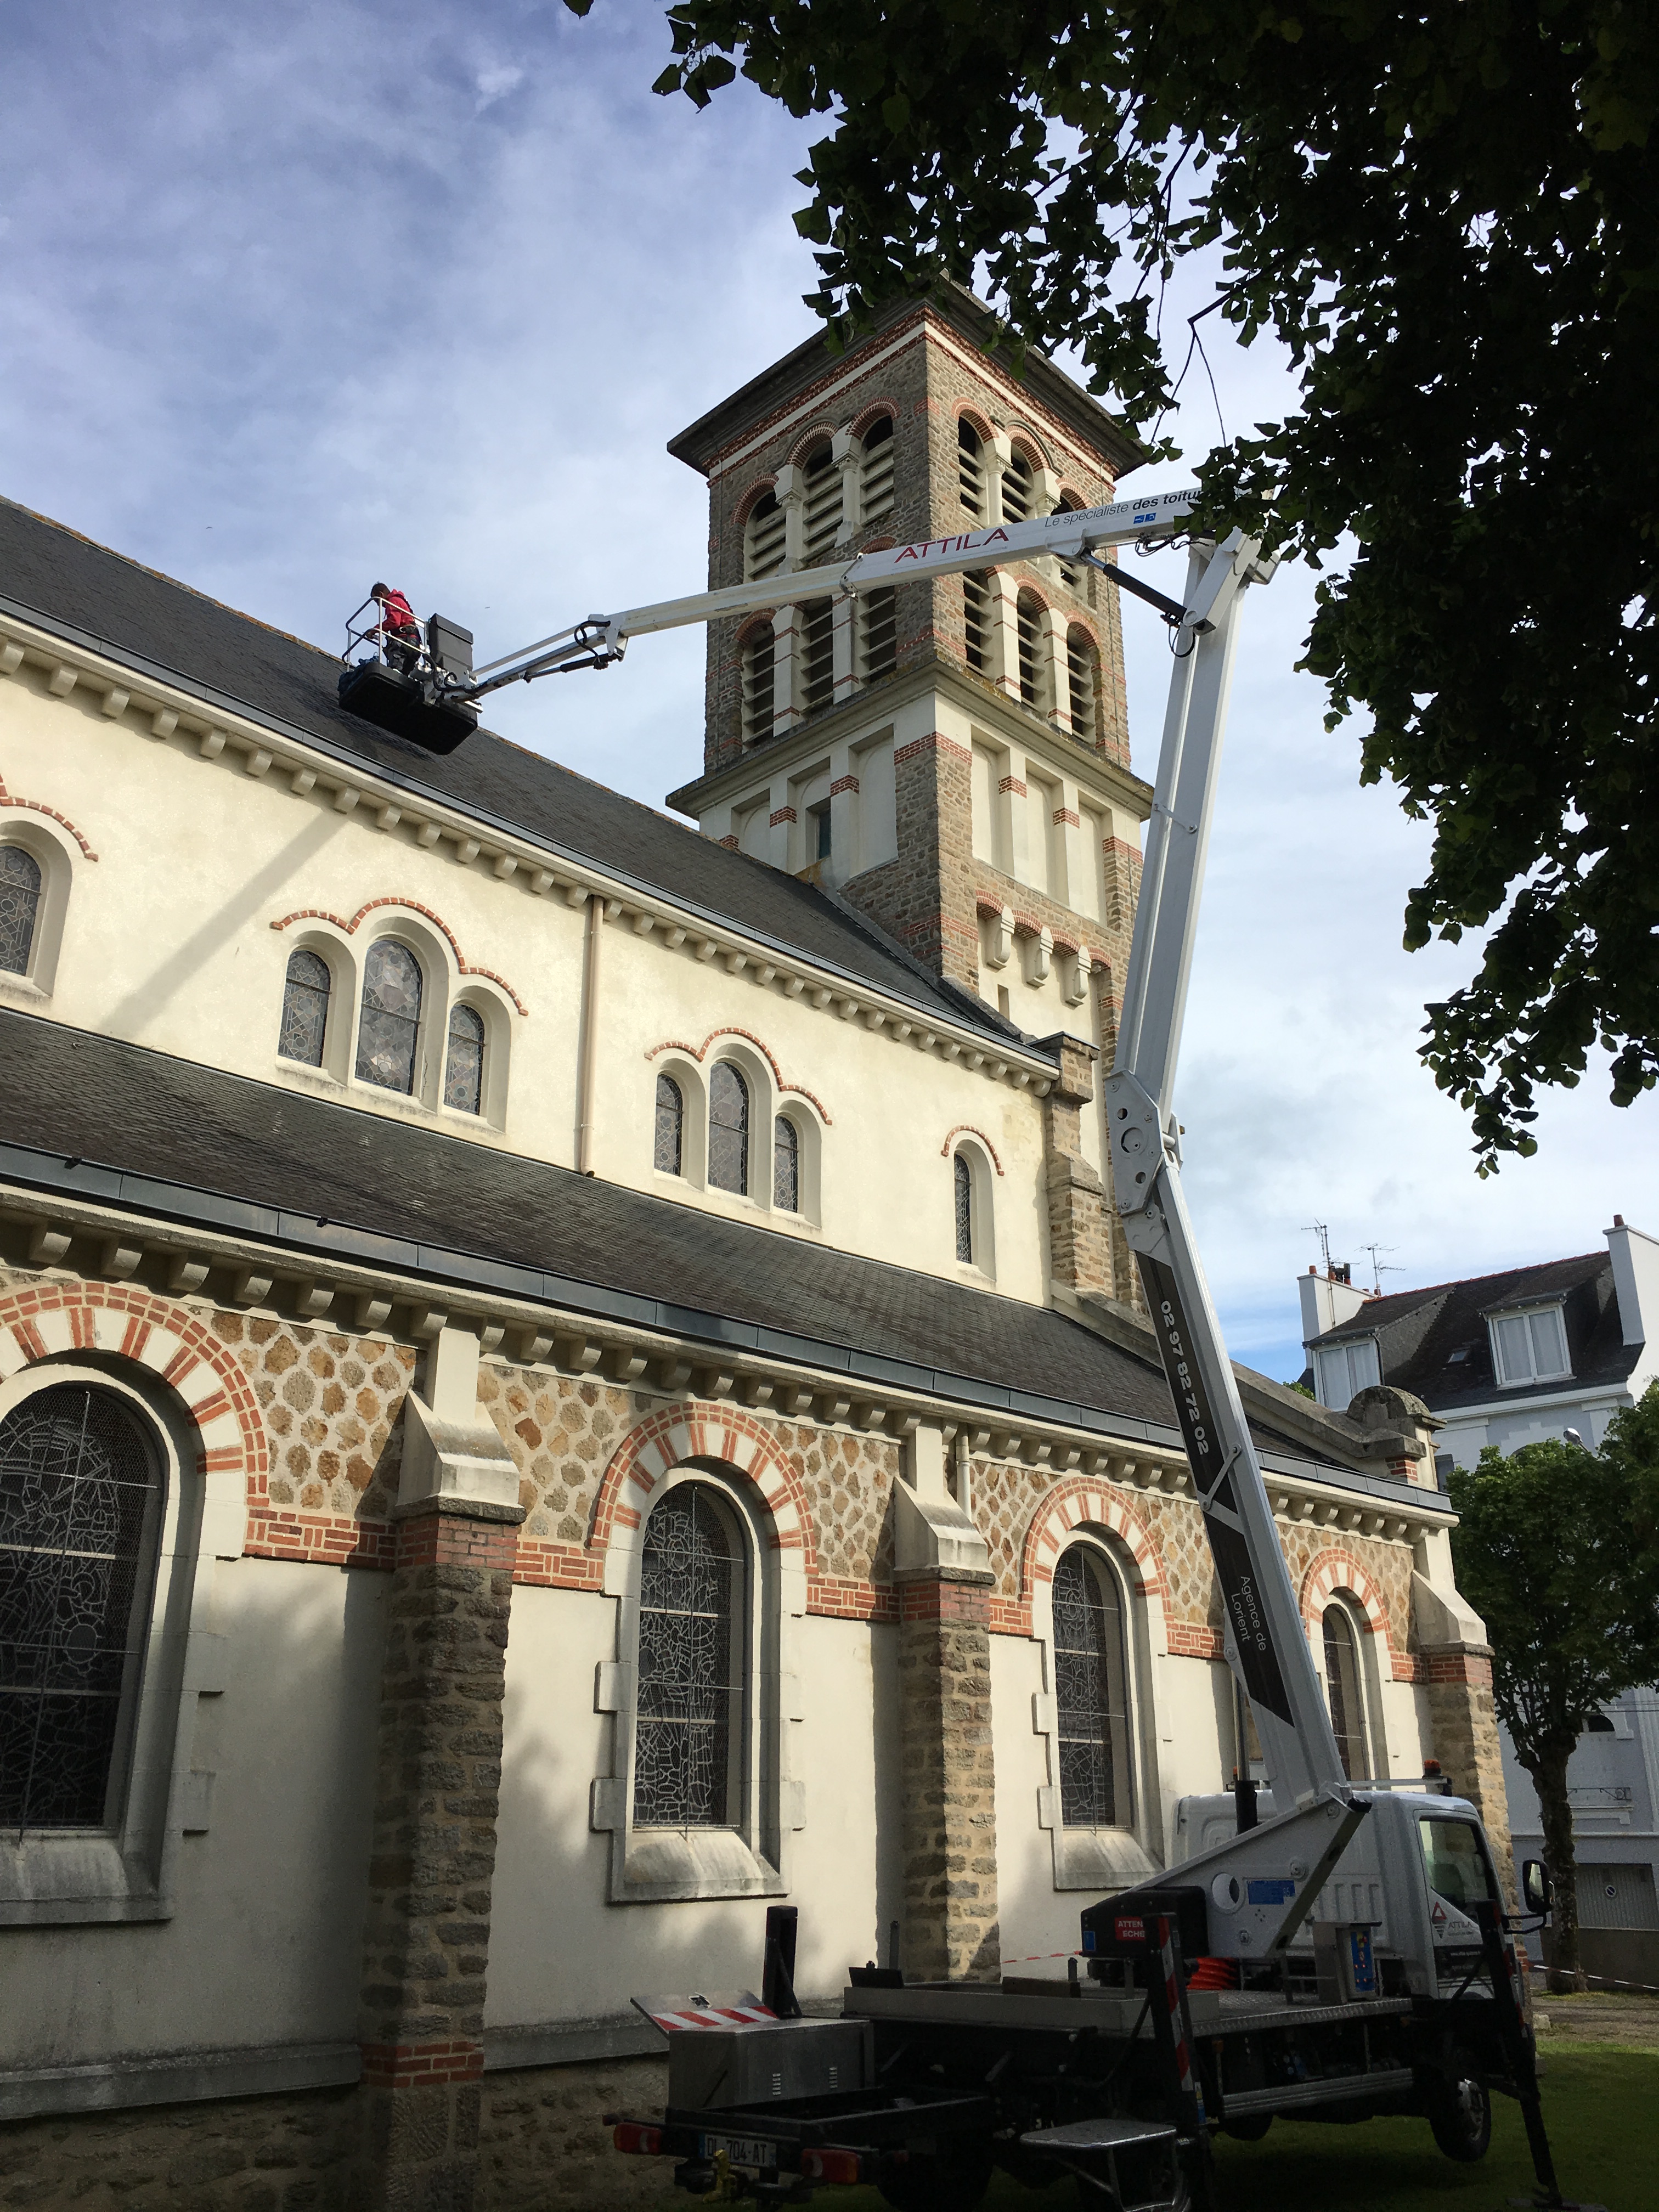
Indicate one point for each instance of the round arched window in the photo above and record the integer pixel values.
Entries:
(1343, 1688)
(670, 1126)
(305, 1009)
(80, 1495)
(20, 903)
(391, 1024)
(1091, 1695)
(464, 1069)
(689, 1714)
(728, 1129)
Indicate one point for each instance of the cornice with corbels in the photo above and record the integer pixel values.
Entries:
(169, 714)
(80, 1240)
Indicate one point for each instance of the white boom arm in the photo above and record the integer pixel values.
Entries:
(1266, 1644)
(1068, 531)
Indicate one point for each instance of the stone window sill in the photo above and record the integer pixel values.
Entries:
(62, 1879)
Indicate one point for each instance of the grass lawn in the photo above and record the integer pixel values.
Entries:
(1600, 2107)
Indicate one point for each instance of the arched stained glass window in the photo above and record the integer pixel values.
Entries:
(305, 1009)
(785, 1165)
(80, 1494)
(728, 1129)
(670, 1125)
(20, 902)
(1091, 1694)
(964, 1195)
(464, 1069)
(391, 1022)
(689, 1710)
(1342, 1686)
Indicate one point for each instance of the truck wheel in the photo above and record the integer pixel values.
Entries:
(949, 2181)
(1250, 2128)
(1460, 2117)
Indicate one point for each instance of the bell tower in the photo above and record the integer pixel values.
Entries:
(952, 756)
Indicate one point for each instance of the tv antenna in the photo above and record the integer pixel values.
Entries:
(1322, 1229)
(1379, 1268)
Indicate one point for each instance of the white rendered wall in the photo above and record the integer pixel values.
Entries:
(265, 1946)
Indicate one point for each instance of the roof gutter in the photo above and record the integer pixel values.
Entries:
(321, 1237)
(593, 874)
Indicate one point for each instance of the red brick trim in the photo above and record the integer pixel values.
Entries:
(696, 1052)
(1078, 1501)
(1064, 814)
(843, 783)
(1185, 1641)
(989, 908)
(1337, 1569)
(936, 1598)
(128, 1322)
(935, 741)
(729, 843)
(782, 814)
(867, 416)
(696, 1430)
(746, 505)
(967, 1129)
(414, 906)
(980, 421)
(322, 1539)
(815, 434)
(39, 806)
(752, 629)
(1473, 1668)
(421, 2065)
(1027, 442)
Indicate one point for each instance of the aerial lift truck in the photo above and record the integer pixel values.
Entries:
(1334, 1950)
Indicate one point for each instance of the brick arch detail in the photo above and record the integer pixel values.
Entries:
(1026, 442)
(707, 1430)
(1028, 590)
(867, 417)
(746, 505)
(1081, 622)
(822, 432)
(967, 1129)
(754, 627)
(409, 906)
(1079, 1501)
(698, 1051)
(980, 421)
(1335, 1568)
(126, 1322)
(39, 806)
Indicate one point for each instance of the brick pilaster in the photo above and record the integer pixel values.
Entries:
(426, 1938)
(1463, 1731)
(948, 1808)
(925, 897)
(1079, 1234)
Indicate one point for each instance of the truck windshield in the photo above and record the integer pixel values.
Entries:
(1455, 1859)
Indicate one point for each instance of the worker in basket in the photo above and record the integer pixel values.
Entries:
(397, 628)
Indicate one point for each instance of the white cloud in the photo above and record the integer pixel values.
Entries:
(294, 299)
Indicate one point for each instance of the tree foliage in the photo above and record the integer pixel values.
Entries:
(1447, 211)
(1547, 1550)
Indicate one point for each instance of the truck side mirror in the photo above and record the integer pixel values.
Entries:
(1537, 1890)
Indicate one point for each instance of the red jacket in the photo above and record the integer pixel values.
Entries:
(398, 616)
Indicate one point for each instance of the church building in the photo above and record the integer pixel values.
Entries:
(565, 1376)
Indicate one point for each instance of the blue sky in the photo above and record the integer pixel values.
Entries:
(293, 297)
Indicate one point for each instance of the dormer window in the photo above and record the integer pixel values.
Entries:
(1344, 1370)
(1529, 1348)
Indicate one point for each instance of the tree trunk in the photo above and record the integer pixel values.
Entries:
(1549, 1778)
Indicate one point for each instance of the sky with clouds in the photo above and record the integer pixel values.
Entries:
(296, 296)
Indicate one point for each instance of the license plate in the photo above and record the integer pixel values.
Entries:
(741, 2150)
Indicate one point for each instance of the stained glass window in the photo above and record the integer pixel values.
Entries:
(391, 1016)
(19, 899)
(785, 1165)
(1091, 1694)
(464, 1071)
(728, 1129)
(80, 1496)
(1342, 1688)
(305, 1009)
(670, 1125)
(689, 1579)
(964, 1183)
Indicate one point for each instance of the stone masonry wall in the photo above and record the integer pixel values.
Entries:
(947, 1805)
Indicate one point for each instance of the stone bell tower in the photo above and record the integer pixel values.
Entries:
(951, 756)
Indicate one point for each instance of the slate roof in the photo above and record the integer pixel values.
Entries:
(1435, 1342)
(83, 592)
(126, 1126)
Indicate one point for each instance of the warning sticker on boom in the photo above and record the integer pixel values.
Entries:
(1235, 1571)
